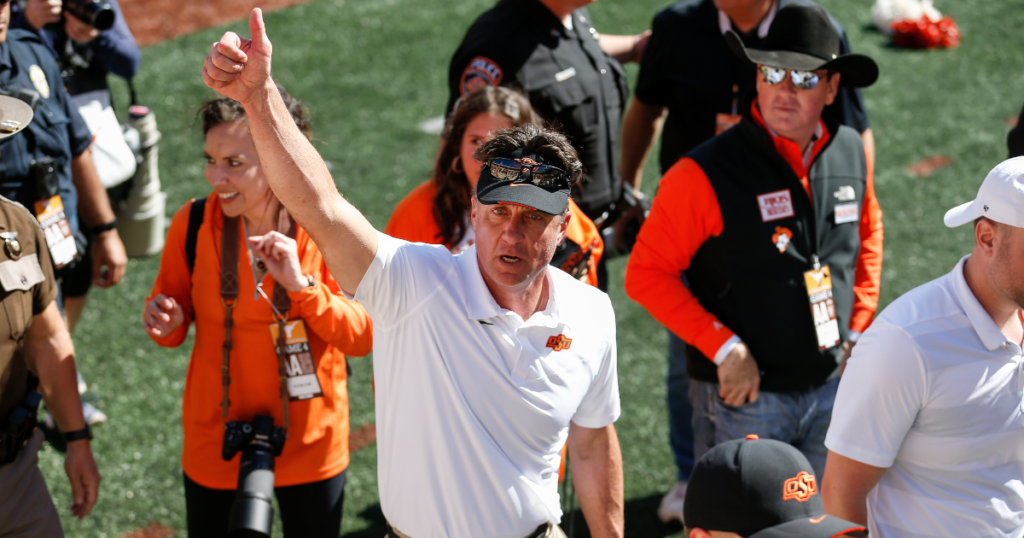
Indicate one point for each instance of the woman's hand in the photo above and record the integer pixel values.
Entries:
(281, 254)
(163, 315)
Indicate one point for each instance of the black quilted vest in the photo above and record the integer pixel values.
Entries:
(742, 277)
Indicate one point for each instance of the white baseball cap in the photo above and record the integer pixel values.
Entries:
(1000, 198)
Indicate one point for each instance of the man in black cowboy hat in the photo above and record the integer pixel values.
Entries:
(690, 88)
(776, 226)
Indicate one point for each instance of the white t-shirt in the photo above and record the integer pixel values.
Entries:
(473, 404)
(933, 393)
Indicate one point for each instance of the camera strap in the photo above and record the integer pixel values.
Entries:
(281, 305)
(228, 296)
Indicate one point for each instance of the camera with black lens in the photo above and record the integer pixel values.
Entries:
(259, 441)
(95, 13)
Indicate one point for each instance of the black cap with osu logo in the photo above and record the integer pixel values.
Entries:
(760, 489)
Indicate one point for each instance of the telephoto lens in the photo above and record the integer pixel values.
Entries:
(259, 441)
(95, 13)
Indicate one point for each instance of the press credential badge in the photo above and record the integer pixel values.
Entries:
(823, 309)
(60, 240)
(299, 364)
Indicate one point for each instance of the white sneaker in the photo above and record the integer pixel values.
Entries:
(672, 503)
(82, 386)
(92, 415)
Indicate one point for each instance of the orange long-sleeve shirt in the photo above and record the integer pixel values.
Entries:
(413, 220)
(685, 213)
(317, 446)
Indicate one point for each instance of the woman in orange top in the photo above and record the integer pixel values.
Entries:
(310, 473)
(437, 211)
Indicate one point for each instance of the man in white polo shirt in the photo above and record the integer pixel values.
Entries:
(486, 363)
(927, 434)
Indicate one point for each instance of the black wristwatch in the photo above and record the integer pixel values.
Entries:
(96, 230)
(78, 435)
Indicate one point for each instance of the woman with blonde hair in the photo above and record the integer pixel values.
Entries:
(437, 211)
(272, 332)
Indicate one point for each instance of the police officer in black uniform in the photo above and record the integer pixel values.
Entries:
(52, 158)
(36, 363)
(572, 75)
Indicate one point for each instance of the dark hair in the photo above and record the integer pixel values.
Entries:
(548, 143)
(452, 200)
(218, 111)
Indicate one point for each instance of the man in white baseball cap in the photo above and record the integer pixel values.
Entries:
(928, 423)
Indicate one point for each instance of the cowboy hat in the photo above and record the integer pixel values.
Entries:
(802, 38)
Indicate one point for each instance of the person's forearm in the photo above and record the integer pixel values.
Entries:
(640, 127)
(845, 487)
(116, 48)
(93, 203)
(868, 137)
(300, 180)
(52, 357)
(620, 47)
(597, 480)
(117, 53)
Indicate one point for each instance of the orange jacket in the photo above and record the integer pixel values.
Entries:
(685, 213)
(317, 446)
(413, 220)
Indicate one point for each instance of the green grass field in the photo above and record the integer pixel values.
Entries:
(370, 70)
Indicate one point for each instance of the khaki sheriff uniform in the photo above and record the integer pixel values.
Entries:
(27, 287)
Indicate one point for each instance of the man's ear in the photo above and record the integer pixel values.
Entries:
(833, 88)
(472, 211)
(563, 226)
(985, 232)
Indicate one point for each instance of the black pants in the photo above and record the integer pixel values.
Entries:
(307, 510)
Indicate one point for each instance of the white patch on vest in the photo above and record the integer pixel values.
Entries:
(566, 74)
(39, 81)
(845, 194)
(776, 205)
(846, 213)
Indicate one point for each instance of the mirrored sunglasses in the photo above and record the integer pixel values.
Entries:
(807, 80)
(528, 171)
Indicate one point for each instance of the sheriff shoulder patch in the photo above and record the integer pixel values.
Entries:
(479, 73)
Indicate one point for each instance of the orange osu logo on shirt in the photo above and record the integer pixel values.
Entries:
(801, 487)
(781, 238)
(559, 342)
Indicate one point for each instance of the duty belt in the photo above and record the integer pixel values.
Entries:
(19, 427)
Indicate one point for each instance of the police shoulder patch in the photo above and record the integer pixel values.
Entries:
(480, 72)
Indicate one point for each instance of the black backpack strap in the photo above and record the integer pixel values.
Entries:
(195, 221)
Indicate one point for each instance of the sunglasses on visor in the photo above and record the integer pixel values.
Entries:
(807, 80)
(528, 171)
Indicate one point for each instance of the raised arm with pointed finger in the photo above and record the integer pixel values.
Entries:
(239, 68)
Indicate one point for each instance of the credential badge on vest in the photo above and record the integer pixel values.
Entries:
(776, 205)
(39, 81)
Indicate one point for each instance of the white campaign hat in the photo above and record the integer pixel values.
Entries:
(1000, 198)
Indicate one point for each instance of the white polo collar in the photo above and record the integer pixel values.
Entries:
(480, 304)
(725, 24)
(987, 330)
